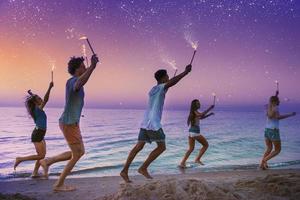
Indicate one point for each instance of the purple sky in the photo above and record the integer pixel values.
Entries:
(244, 46)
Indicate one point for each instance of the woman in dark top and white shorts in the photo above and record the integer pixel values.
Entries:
(194, 131)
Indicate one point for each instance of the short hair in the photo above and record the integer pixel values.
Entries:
(74, 64)
(159, 74)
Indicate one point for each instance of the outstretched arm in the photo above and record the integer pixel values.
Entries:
(173, 81)
(46, 97)
(280, 117)
(207, 111)
(208, 115)
(274, 114)
(82, 80)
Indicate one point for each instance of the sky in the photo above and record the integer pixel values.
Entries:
(243, 48)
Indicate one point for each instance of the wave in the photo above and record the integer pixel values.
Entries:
(251, 166)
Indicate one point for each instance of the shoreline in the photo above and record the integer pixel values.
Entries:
(242, 183)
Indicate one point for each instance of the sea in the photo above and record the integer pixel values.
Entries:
(235, 137)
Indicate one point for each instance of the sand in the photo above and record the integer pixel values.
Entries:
(252, 184)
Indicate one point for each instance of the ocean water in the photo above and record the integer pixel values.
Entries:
(236, 141)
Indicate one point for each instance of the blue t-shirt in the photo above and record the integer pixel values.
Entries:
(153, 114)
(74, 103)
(40, 118)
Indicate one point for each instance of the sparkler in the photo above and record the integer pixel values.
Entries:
(194, 46)
(172, 63)
(214, 95)
(85, 38)
(84, 54)
(52, 69)
(277, 85)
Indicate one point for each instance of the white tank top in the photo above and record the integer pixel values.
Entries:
(273, 123)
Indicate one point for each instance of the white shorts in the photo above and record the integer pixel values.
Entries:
(191, 134)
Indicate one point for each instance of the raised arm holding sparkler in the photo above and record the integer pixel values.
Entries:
(46, 97)
(177, 78)
(83, 78)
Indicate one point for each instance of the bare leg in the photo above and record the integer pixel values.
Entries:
(45, 163)
(41, 151)
(77, 152)
(269, 145)
(136, 149)
(188, 152)
(277, 145)
(205, 145)
(37, 163)
(161, 147)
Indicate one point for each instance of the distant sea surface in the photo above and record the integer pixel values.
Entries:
(236, 141)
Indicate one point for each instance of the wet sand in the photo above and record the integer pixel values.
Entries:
(251, 184)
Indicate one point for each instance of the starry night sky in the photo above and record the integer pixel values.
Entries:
(243, 47)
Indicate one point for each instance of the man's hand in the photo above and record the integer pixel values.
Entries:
(51, 84)
(94, 60)
(188, 68)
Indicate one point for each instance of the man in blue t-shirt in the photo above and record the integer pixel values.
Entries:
(151, 128)
(69, 120)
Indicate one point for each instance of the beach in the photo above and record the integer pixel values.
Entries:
(248, 184)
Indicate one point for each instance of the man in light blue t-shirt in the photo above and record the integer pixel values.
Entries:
(69, 120)
(151, 129)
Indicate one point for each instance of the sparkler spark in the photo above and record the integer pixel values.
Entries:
(171, 63)
(83, 38)
(83, 50)
(190, 41)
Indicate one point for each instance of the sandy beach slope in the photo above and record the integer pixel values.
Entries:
(252, 184)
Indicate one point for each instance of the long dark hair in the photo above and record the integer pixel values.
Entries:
(30, 104)
(191, 119)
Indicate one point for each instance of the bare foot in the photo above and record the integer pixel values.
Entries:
(125, 177)
(262, 165)
(199, 162)
(45, 167)
(182, 166)
(145, 173)
(266, 165)
(64, 188)
(17, 162)
(35, 175)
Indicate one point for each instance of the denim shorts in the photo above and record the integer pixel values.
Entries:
(151, 136)
(194, 129)
(272, 134)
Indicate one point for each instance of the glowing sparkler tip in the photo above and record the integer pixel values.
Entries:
(214, 94)
(276, 82)
(83, 38)
(194, 45)
(53, 67)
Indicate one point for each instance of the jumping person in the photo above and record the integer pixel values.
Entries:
(69, 120)
(151, 128)
(194, 131)
(35, 105)
(272, 134)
